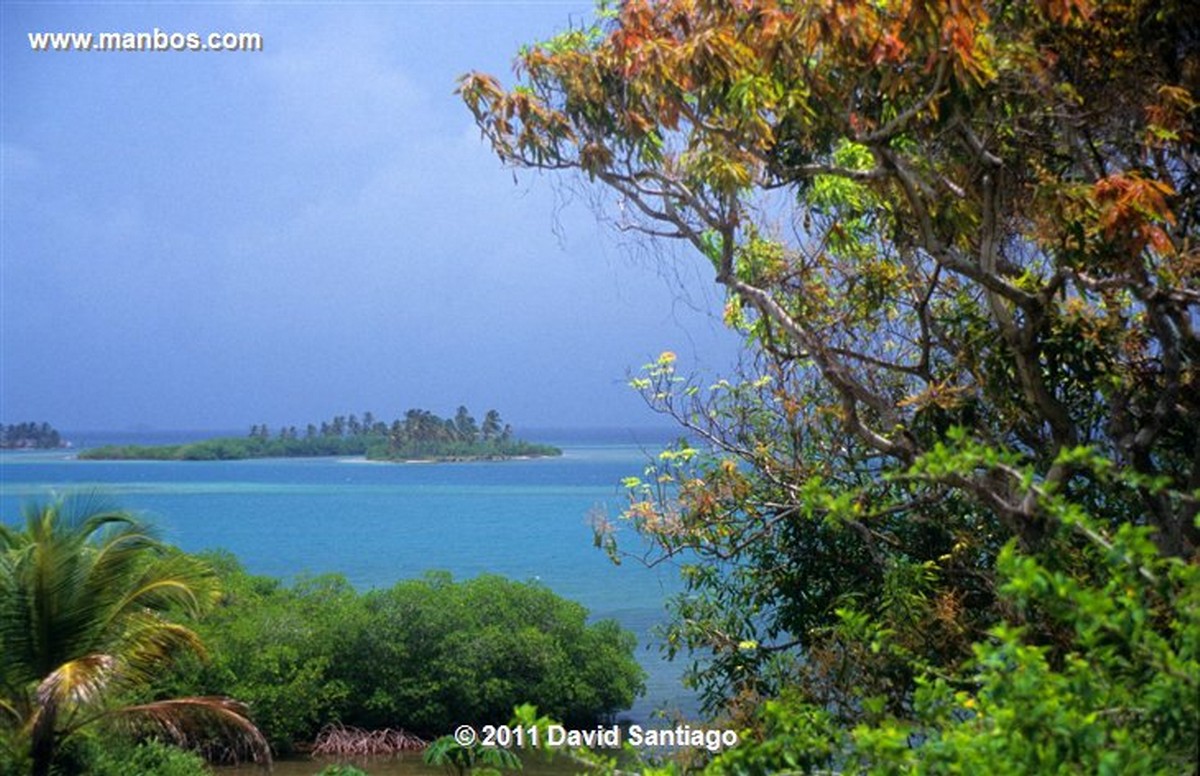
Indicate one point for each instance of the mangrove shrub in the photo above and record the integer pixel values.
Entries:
(424, 655)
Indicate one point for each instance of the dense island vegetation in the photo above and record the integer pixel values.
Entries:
(29, 435)
(945, 520)
(111, 641)
(418, 436)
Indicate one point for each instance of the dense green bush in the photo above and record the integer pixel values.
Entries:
(275, 645)
(424, 655)
(14, 756)
(98, 754)
(439, 653)
(149, 758)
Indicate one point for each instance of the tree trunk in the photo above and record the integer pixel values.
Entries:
(42, 740)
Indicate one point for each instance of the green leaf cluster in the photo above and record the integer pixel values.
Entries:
(1117, 689)
(98, 756)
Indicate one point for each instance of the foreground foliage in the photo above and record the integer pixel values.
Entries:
(89, 605)
(96, 756)
(422, 656)
(457, 759)
(1115, 689)
(954, 496)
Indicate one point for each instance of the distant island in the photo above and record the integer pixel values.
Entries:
(30, 436)
(418, 436)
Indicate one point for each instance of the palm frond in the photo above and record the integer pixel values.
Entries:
(172, 580)
(9, 537)
(197, 723)
(75, 684)
(78, 515)
(151, 642)
(73, 576)
(85, 596)
(80, 681)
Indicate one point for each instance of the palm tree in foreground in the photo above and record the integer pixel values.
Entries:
(86, 592)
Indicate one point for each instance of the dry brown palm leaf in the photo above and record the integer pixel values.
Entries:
(196, 723)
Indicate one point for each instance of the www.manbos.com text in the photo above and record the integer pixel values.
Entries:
(152, 40)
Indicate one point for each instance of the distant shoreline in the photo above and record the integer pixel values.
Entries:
(173, 453)
(367, 447)
(419, 435)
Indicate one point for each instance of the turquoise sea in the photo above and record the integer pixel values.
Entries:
(377, 523)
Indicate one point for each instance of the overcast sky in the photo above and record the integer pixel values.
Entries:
(210, 240)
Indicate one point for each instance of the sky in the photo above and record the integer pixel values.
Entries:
(208, 240)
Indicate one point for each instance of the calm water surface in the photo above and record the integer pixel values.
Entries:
(377, 523)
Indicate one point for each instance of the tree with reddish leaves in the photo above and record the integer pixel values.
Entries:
(960, 239)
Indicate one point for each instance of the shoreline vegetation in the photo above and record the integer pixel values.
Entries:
(420, 436)
(165, 662)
